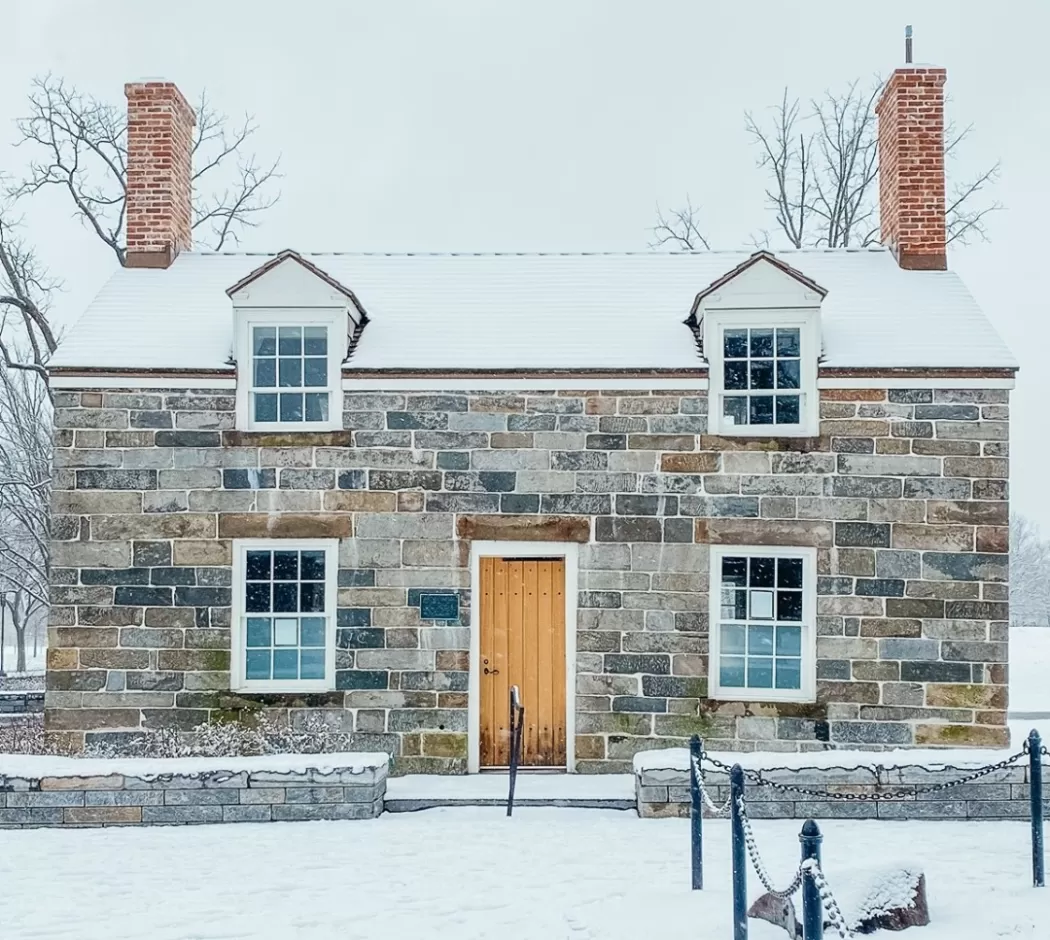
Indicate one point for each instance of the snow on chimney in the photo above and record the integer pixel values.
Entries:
(911, 166)
(159, 197)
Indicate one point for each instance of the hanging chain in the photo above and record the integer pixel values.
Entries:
(827, 899)
(756, 859)
(722, 811)
(756, 776)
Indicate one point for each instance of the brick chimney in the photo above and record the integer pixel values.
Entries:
(159, 198)
(911, 167)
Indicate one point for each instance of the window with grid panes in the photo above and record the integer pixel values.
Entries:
(761, 376)
(285, 615)
(290, 375)
(762, 624)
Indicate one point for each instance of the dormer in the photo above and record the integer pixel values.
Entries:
(293, 327)
(759, 325)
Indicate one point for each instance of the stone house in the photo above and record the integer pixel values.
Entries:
(762, 496)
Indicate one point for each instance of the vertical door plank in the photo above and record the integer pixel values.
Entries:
(543, 653)
(530, 682)
(557, 615)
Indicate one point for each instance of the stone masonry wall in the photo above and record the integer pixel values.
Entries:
(903, 494)
(175, 799)
(1002, 794)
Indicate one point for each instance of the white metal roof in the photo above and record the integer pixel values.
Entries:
(554, 311)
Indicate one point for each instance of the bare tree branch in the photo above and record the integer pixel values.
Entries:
(81, 143)
(681, 228)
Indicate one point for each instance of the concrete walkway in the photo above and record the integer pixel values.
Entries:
(425, 791)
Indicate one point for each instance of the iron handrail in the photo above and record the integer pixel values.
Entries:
(517, 728)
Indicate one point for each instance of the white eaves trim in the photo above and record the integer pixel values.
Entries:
(372, 384)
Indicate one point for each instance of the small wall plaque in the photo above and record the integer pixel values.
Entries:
(438, 606)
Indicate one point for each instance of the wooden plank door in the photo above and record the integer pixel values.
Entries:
(523, 644)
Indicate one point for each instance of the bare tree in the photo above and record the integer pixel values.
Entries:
(822, 176)
(25, 497)
(1029, 574)
(80, 146)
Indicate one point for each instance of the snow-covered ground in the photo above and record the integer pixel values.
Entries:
(33, 663)
(545, 874)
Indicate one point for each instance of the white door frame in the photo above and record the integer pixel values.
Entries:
(478, 550)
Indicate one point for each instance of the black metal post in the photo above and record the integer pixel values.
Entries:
(812, 906)
(517, 714)
(696, 813)
(1035, 797)
(736, 794)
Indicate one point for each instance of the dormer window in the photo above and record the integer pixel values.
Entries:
(290, 374)
(294, 325)
(761, 336)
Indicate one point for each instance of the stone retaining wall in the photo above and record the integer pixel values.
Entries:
(174, 799)
(21, 703)
(1003, 794)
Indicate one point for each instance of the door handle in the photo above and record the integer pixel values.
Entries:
(491, 672)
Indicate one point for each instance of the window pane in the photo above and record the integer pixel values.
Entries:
(761, 344)
(311, 597)
(311, 664)
(257, 567)
(265, 407)
(315, 373)
(257, 664)
(734, 409)
(285, 631)
(759, 641)
(292, 407)
(735, 344)
(787, 342)
(761, 409)
(734, 638)
(789, 673)
(317, 406)
(311, 566)
(759, 673)
(736, 375)
(789, 641)
(258, 631)
(731, 672)
(315, 341)
(265, 373)
(762, 374)
(264, 341)
(787, 373)
(761, 571)
(761, 605)
(257, 597)
(787, 409)
(286, 664)
(734, 604)
(285, 566)
(285, 598)
(291, 373)
(789, 572)
(789, 605)
(290, 341)
(734, 571)
(311, 631)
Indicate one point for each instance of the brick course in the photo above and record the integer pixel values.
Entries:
(150, 487)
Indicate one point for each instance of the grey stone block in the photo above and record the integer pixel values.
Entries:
(775, 809)
(260, 795)
(932, 809)
(33, 798)
(979, 809)
(199, 797)
(123, 798)
(364, 794)
(301, 811)
(181, 814)
(834, 809)
(314, 795)
(255, 813)
(652, 794)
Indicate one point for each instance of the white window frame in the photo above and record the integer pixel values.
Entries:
(716, 322)
(238, 654)
(335, 322)
(808, 690)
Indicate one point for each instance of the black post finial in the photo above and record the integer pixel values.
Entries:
(907, 45)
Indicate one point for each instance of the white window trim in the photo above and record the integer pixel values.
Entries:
(808, 692)
(335, 319)
(716, 322)
(238, 681)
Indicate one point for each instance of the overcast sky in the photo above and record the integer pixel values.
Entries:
(554, 125)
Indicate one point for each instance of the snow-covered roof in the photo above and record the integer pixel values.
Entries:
(537, 311)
